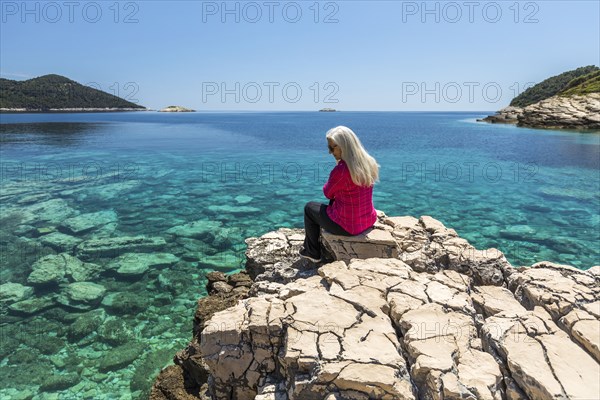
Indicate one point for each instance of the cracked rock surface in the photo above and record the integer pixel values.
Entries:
(408, 310)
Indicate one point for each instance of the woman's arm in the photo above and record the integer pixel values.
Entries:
(335, 183)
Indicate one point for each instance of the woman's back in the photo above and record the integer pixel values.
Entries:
(352, 207)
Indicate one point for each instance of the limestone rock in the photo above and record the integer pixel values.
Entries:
(82, 295)
(316, 327)
(116, 246)
(507, 115)
(494, 299)
(80, 271)
(51, 269)
(570, 112)
(125, 302)
(197, 229)
(425, 244)
(568, 295)
(172, 383)
(84, 223)
(175, 109)
(48, 270)
(438, 319)
(136, 264)
(60, 241)
(52, 211)
(562, 112)
(541, 357)
(273, 258)
(32, 305)
(13, 292)
(85, 292)
(373, 243)
(120, 357)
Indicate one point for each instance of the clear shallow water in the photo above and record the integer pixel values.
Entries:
(533, 194)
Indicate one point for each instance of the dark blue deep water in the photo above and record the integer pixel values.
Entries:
(533, 194)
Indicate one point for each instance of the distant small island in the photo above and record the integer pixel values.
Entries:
(176, 109)
(570, 100)
(327, 110)
(56, 93)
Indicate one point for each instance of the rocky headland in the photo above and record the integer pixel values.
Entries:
(575, 112)
(406, 310)
(570, 100)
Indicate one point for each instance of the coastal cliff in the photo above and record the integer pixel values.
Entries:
(406, 310)
(570, 100)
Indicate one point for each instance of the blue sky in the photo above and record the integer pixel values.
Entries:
(303, 55)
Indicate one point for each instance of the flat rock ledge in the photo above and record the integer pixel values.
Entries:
(407, 310)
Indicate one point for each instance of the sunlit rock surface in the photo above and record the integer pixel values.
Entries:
(407, 310)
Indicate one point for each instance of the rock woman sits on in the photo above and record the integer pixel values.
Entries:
(349, 190)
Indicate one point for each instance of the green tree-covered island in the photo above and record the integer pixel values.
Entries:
(56, 93)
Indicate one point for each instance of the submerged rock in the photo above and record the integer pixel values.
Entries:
(235, 210)
(86, 324)
(82, 295)
(33, 305)
(120, 357)
(52, 211)
(116, 246)
(60, 241)
(125, 302)
(53, 268)
(197, 229)
(13, 292)
(115, 331)
(243, 199)
(59, 382)
(136, 264)
(48, 270)
(84, 223)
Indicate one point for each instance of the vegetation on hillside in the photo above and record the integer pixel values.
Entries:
(585, 84)
(552, 86)
(56, 92)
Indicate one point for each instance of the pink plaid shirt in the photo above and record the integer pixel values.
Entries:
(353, 206)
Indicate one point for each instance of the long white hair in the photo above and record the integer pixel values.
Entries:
(363, 167)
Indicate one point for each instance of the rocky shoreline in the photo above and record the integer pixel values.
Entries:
(556, 112)
(407, 310)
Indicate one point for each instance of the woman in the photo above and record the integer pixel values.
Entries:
(350, 190)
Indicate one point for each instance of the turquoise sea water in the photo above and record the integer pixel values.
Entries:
(203, 182)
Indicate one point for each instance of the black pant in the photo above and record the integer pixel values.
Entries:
(315, 218)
